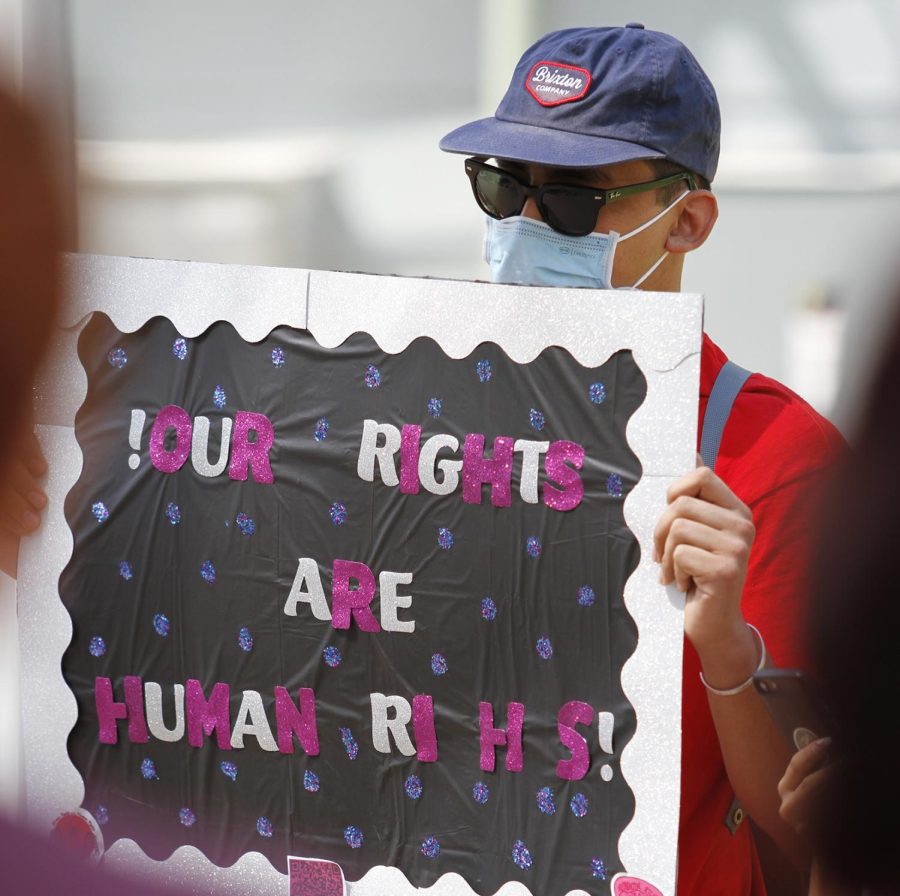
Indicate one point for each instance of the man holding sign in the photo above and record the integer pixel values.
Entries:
(595, 172)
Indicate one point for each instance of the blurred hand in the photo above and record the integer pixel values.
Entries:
(801, 786)
(702, 542)
(22, 497)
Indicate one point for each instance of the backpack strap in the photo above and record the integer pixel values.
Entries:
(725, 390)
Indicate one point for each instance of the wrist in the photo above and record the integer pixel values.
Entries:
(730, 661)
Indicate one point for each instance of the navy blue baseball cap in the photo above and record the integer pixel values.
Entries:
(586, 97)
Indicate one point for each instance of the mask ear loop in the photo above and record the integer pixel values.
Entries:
(644, 226)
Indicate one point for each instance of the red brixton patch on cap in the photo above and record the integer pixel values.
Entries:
(553, 83)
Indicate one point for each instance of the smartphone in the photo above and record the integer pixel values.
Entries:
(794, 705)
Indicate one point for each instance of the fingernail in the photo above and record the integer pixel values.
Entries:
(822, 743)
(655, 556)
(37, 499)
(662, 579)
(30, 521)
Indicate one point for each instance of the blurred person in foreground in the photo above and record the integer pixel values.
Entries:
(842, 792)
(31, 240)
(595, 171)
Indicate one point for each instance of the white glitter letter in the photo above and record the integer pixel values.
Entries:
(200, 447)
(252, 720)
(390, 601)
(531, 453)
(153, 705)
(450, 468)
(369, 451)
(381, 724)
(308, 574)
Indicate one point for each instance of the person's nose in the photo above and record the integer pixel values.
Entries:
(530, 210)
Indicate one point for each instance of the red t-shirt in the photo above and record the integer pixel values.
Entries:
(773, 446)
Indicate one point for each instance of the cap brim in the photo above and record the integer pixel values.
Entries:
(498, 139)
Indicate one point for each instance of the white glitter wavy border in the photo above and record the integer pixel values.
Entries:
(663, 332)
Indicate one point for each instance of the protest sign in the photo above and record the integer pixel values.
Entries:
(357, 569)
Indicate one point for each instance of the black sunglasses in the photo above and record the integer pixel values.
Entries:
(567, 209)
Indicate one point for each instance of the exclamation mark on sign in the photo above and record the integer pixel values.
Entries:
(134, 437)
(605, 725)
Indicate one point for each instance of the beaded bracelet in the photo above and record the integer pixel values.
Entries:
(730, 692)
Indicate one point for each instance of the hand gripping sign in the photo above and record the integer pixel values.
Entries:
(354, 571)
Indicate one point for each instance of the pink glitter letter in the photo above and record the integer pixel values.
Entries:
(290, 721)
(570, 714)
(558, 455)
(170, 417)
(108, 710)
(205, 716)
(255, 455)
(423, 725)
(497, 471)
(409, 459)
(492, 737)
(345, 601)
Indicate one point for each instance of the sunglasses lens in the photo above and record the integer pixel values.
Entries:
(569, 211)
(499, 194)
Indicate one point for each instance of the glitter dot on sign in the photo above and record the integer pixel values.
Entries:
(431, 849)
(533, 547)
(332, 657)
(97, 647)
(354, 836)
(229, 769)
(173, 513)
(483, 369)
(434, 406)
(445, 539)
(102, 815)
(544, 648)
(546, 801)
(413, 787)
(439, 664)
(597, 393)
(480, 793)
(311, 781)
(278, 356)
(148, 770)
(614, 485)
(208, 571)
(117, 358)
(264, 826)
(245, 640)
(372, 377)
(598, 868)
(521, 856)
(338, 513)
(536, 418)
(245, 524)
(321, 431)
(586, 596)
(488, 609)
(179, 348)
(350, 744)
(219, 397)
(125, 570)
(100, 511)
(579, 805)
(161, 624)
(187, 818)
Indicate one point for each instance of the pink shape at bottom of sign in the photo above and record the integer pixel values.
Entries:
(313, 877)
(625, 885)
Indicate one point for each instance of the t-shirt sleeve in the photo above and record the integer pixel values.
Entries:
(777, 453)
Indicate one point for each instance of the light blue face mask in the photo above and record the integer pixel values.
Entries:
(522, 250)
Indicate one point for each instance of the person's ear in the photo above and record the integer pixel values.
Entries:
(699, 210)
